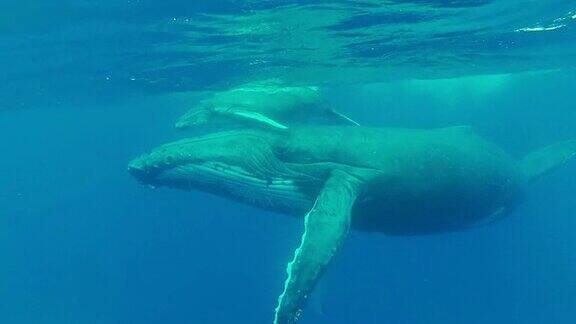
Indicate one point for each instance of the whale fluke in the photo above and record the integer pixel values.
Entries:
(545, 160)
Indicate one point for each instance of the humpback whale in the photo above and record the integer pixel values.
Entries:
(267, 104)
(388, 180)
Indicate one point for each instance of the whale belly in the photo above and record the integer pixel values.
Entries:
(428, 203)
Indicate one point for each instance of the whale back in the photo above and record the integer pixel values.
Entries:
(381, 148)
(425, 181)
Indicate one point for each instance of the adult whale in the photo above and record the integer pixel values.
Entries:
(394, 181)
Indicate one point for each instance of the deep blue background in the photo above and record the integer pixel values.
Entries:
(82, 242)
(85, 86)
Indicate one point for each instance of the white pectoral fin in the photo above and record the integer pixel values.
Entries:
(326, 226)
(254, 116)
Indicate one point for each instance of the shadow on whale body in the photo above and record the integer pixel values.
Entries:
(394, 181)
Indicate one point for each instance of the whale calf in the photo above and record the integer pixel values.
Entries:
(268, 104)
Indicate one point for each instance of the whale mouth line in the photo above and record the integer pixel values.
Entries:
(212, 171)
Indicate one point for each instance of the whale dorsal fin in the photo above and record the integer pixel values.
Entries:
(326, 226)
(258, 117)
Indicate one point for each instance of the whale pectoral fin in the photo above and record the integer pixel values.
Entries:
(326, 226)
(342, 117)
(259, 118)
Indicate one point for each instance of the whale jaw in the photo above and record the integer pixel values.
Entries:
(231, 165)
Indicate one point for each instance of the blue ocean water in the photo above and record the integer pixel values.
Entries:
(88, 85)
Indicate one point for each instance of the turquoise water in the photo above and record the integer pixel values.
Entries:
(88, 85)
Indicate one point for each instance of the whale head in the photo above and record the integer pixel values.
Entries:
(195, 117)
(239, 164)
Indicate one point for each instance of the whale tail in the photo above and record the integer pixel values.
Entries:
(542, 161)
